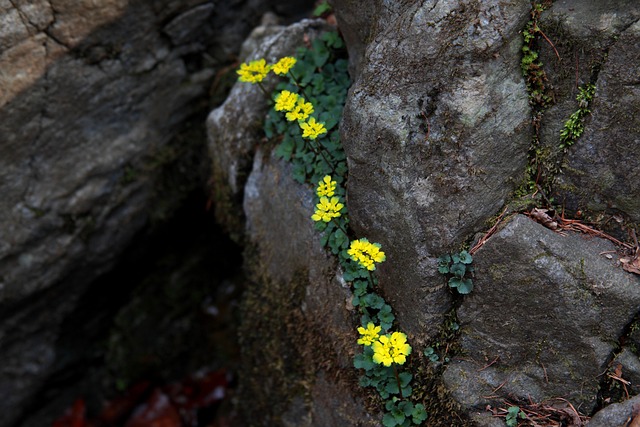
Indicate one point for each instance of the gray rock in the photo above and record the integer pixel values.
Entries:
(297, 333)
(547, 309)
(234, 130)
(617, 414)
(601, 169)
(436, 129)
(93, 95)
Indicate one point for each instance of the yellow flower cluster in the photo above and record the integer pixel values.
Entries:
(369, 335)
(366, 254)
(311, 129)
(326, 187)
(390, 349)
(300, 111)
(256, 71)
(286, 101)
(327, 209)
(283, 66)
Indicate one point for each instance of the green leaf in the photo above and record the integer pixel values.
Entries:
(364, 381)
(360, 287)
(374, 301)
(444, 259)
(443, 268)
(465, 286)
(321, 9)
(405, 378)
(362, 361)
(320, 53)
(389, 420)
(454, 282)
(465, 257)
(419, 414)
(392, 387)
(458, 269)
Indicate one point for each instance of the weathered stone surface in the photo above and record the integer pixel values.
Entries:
(436, 129)
(617, 414)
(548, 310)
(234, 129)
(297, 334)
(92, 96)
(601, 170)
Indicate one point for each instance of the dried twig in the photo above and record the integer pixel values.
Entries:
(488, 234)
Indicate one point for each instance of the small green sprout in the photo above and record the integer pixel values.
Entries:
(456, 266)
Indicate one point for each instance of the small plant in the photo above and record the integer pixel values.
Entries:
(322, 8)
(430, 353)
(513, 414)
(530, 64)
(382, 355)
(456, 267)
(304, 124)
(574, 126)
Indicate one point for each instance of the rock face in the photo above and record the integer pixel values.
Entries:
(93, 95)
(548, 310)
(435, 146)
(597, 44)
(437, 130)
(297, 336)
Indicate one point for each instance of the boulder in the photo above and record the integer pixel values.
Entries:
(436, 129)
(236, 127)
(543, 320)
(95, 101)
(297, 335)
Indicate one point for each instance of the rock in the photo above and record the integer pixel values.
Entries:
(234, 129)
(591, 44)
(436, 130)
(601, 172)
(617, 414)
(297, 334)
(94, 97)
(547, 310)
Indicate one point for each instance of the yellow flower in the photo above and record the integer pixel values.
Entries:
(326, 187)
(327, 209)
(391, 349)
(301, 111)
(254, 71)
(369, 335)
(286, 101)
(365, 253)
(311, 129)
(283, 66)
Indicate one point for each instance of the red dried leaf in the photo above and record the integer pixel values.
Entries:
(157, 411)
(117, 410)
(75, 416)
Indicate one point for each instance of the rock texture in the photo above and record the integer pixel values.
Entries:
(548, 310)
(93, 95)
(297, 335)
(235, 128)
(435, 145)
(596, 43)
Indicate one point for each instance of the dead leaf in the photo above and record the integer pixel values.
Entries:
(631, 265)
(635, 421)
(541, 216)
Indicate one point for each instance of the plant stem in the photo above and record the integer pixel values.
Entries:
(321, 153)
(339, 226)
(264, 91)
(299, 86)
(395, 371)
